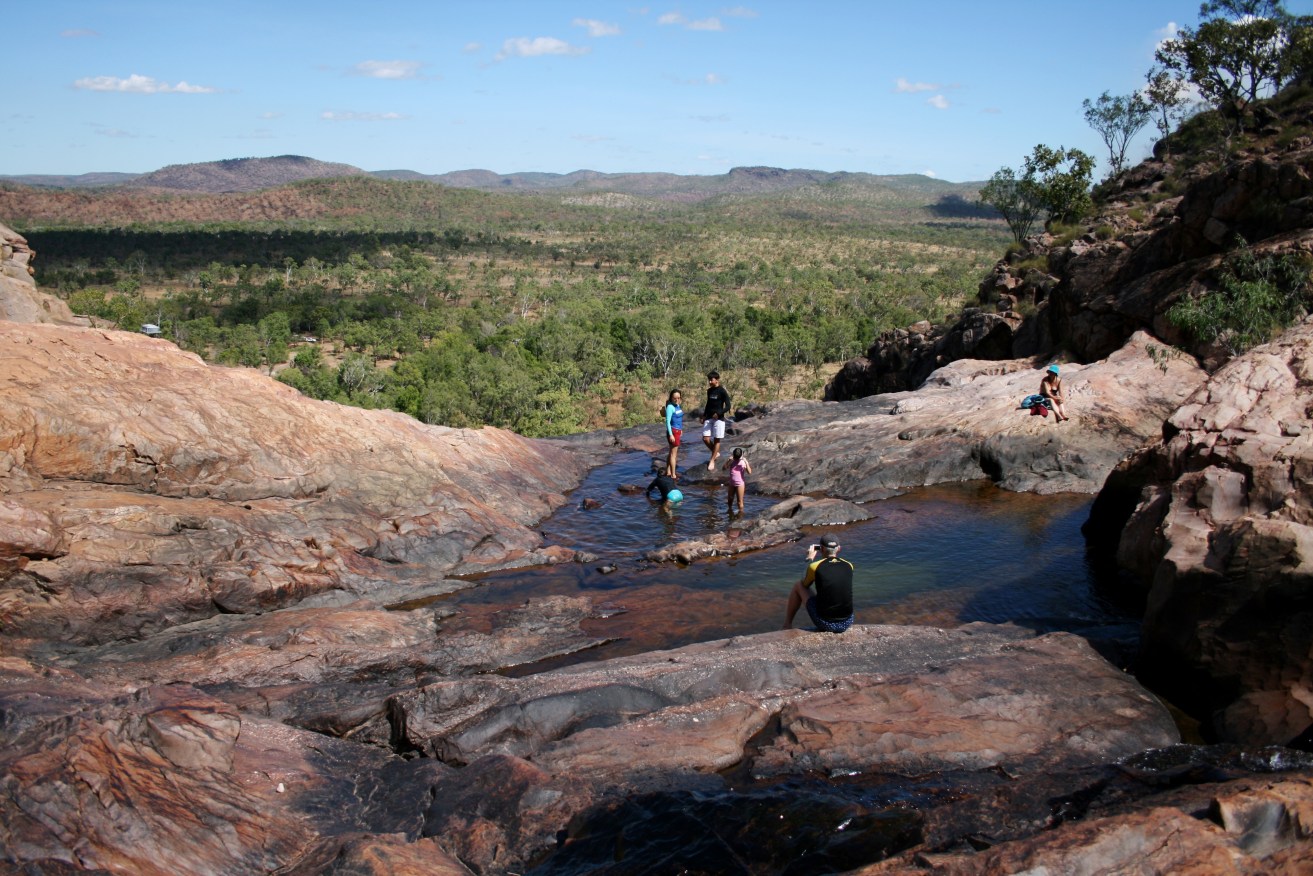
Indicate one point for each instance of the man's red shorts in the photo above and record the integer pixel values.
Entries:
(677, 434)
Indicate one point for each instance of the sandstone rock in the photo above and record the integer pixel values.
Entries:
(151, 489)
(778, 524)
(168, 781)
(20, 300)
(1223, 532)
(964, 425)
(542, 750)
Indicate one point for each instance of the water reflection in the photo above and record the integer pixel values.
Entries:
(941, 556)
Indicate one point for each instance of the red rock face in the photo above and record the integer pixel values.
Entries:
(20, 300)
(1223, 532)
(143, 487)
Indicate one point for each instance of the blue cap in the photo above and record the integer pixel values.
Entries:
(1053, 369)
(674, 495)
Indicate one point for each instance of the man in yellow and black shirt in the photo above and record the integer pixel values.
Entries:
(831, 609)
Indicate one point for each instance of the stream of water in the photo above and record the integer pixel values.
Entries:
(939, 556)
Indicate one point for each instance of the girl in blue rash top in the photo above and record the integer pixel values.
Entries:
(674, 429)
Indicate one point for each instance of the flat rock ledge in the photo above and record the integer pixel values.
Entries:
(884, 699)
(964, 424)
(779, 524)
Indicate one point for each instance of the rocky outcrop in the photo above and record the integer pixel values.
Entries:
(145, 489)
(904, 700)
(964, 424)
(1216, 520)
(1161, 235)
(167, 780)
(20, 300)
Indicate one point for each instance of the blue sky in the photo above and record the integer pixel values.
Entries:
(951, 88)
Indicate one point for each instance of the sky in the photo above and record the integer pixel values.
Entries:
(954, 89)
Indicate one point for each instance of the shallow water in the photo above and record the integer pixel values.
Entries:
(939, 556)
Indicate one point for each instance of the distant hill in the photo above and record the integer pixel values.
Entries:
(81, 181)
(241, 174)
(254, 174)
(687, 189)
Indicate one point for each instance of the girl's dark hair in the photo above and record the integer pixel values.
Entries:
(670, 399)
(738, 452)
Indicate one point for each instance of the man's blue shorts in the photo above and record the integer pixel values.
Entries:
(823, 625)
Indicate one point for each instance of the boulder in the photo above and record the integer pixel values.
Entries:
(20, 299)
(1216, 521)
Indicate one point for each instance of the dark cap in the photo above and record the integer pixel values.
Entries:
(829, 542)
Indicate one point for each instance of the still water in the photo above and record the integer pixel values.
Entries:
(939, 556)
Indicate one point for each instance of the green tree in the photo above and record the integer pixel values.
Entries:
(1168, 99)
(1063, 180)
(1053, 181)
(1241, 51)
(1016, 200)
(1117, 120)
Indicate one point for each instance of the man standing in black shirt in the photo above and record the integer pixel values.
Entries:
(831, 609)
(713, 417)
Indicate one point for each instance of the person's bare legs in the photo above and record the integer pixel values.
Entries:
(714, 445)
(796, 597)
(671, 459)
(736, 490)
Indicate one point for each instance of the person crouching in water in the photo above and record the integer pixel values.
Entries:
(674, 415)
(667, 486)
(1051, 388)
(831, 609)
(738, 467)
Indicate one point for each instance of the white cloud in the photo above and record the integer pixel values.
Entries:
(331, 116)
(739, 12)
(471, 48)
(1170, 32)
(902, 86)
(598, 28)
(591, 138)
(271, 115)
(939, 102)
(388, 69)
(523, 47)
(138, 84)
(675, 18)
(78, 32)
(929, 173)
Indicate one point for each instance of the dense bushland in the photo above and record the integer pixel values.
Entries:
(544, 318)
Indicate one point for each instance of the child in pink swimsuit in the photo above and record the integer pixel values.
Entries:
(738, 467)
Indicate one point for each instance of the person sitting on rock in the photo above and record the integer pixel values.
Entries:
(1051, 388)
(831, 609)
(667, 486)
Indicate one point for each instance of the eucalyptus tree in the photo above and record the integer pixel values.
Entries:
(1117, 120)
